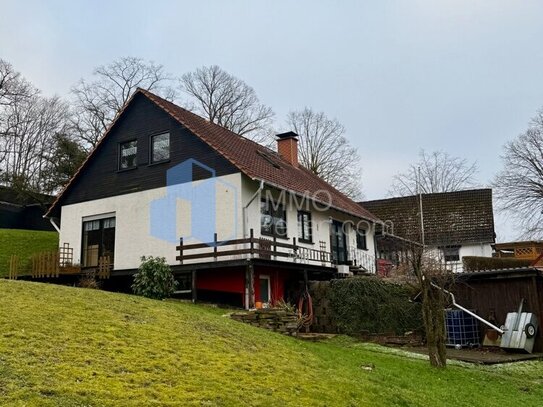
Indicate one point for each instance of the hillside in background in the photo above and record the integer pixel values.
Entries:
(62, 346)
(24, 243)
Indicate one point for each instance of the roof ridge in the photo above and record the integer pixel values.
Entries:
(242, 153)
(208, 122)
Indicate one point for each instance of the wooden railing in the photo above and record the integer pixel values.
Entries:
(362, 260)
(252, 247)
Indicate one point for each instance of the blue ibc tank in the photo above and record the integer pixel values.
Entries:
(462, 328)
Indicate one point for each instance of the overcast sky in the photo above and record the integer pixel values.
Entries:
(463, 76)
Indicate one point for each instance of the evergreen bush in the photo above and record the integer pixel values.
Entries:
(368, 304)
(154, 278)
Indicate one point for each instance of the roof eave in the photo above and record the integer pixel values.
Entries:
(313, 199)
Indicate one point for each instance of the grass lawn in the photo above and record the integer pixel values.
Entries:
(24, 243)
(62, 346)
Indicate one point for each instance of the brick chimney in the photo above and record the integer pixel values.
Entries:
(287, 146)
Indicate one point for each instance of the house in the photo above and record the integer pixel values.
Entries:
(238, 222)
(455, 224)
(524, 250)
(23, 211)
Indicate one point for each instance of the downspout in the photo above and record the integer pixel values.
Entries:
(52, 221)
(245, 220)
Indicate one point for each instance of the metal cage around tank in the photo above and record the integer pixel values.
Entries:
(462, 329)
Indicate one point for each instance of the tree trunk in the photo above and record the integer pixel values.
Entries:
(434, 323)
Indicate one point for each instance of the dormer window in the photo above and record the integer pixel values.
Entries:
(160, 147)
(128, 152)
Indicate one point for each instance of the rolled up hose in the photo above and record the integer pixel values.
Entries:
(305, 319)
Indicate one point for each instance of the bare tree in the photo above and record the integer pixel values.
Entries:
(519, 186)
(227, 101)
(431, 276)
(425, 269)
(435, 172)
(27, 139)
(324, 150)
(12, 85)
(98, 101)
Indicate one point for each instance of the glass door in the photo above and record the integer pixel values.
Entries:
(338, 243)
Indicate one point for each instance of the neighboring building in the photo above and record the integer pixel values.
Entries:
(23, 211)
(456, 224)
(524, 250)
(161, 172)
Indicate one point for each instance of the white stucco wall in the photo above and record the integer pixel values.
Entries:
(133, 218)
(320, 220)
(480, 249)
(133, 237)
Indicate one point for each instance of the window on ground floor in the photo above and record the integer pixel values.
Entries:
(265, 289)
(451, 253)
(98, 241)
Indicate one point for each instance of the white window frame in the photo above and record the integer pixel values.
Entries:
(266, 277)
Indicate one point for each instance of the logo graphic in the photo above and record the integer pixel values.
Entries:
(190, 209)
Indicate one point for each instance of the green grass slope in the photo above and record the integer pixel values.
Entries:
(62, 346)
(24, 243)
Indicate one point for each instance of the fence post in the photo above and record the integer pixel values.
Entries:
(215, 246)
(295, 248)
(252, 243)
(193, 284)
(181, 250)
(274, 247)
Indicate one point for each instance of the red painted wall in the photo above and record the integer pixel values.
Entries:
(277, 283)
(233, 281)
(226, 280)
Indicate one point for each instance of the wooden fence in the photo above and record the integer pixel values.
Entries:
(13, 271)
(52, 264)
(104, 267)
(45, 264)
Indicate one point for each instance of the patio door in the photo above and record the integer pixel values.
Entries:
(98, 240)
(338, 243)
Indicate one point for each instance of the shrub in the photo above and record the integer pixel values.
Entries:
(475, 263)
(368, 304)
(154, 278)
(89, 281)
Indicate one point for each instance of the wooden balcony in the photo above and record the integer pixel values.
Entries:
(253, 247)
(269, 249)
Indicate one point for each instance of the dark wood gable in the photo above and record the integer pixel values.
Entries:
(100, 178)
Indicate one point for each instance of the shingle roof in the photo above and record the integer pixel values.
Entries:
(449, 218)
(255, 161)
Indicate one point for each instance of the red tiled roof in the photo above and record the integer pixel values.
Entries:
(259, 162)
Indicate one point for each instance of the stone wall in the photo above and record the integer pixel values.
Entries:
(276, 320)
(323, 318)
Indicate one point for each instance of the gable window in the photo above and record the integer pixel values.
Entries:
(361, 241)
(160, 147)
(98, 241)
(451, 253)
(273, 219)
(127, 154)
(305, 233)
